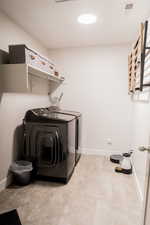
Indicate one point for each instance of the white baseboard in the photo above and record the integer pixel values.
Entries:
(138, 187)
(5, 182)
(102, 152)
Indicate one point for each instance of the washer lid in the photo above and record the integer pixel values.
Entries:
(44, 115)
(58, 116)
(68, 112)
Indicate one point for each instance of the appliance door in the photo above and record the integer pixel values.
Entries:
(46, 148)
(78, 117)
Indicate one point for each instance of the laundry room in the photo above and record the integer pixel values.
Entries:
(74, 112)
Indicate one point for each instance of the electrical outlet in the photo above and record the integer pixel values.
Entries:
(109, 141)
(129, 6)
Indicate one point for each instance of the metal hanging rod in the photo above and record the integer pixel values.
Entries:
(143, 57)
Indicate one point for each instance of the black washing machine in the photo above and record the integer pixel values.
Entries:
(50, 143)
(78, 129)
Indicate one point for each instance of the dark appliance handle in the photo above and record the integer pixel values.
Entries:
(77, 135)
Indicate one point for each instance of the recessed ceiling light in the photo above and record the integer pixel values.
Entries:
(87, 19)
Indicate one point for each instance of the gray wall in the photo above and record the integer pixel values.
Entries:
(14, 106)
(97, 85)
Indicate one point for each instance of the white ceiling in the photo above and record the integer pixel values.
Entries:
(56, 26)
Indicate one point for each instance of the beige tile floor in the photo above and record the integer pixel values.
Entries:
(95, 195)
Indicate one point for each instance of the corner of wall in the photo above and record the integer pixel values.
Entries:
(5, 182)
(138, 187)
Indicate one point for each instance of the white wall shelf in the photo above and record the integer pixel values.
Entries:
(23, 78)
